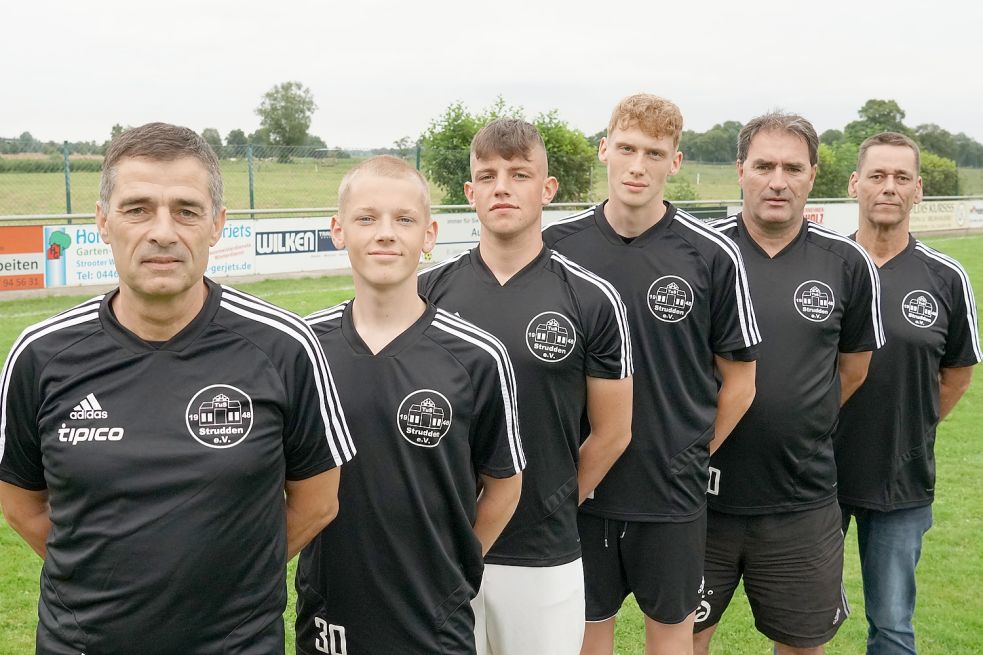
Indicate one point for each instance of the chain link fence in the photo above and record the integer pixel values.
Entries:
(54, 179)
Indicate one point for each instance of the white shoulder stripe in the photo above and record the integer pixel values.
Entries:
(620, 313)
(88, 311)
(875, 279)
(443, 263)
(478, 337)
(327, 314)
(587, 213)
(742, 290)
(292, 325)
(491, 339)
(968, 296)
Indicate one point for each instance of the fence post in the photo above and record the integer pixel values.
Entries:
(68, 180)
(249, 158)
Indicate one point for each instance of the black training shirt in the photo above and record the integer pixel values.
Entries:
(561, 324)
(430, 411)
(687, 297)
(165, 467)
(816, 298)
(885, 440)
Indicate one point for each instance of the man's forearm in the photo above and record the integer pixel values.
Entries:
(27, 512)
(953, 383)
(597, 455)
(310, 504)
(734, 397)
(496, 504)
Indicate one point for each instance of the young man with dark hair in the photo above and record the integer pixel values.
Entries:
(567, 334)
(773, 516)
(148, 436)
(691, 319)
(431, 400)
(885, 440)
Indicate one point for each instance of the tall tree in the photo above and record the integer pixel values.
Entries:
(446, 145)
(236, 138)
(285, 111)
(214, 139)
(933, 138)
(876, 116)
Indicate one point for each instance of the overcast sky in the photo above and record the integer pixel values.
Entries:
(381, 70)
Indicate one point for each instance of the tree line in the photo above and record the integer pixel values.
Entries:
(285, 113)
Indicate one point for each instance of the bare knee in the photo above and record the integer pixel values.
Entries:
(701, 641)
(598, 638)
(669, 638)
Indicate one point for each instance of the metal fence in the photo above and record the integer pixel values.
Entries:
(63, 179)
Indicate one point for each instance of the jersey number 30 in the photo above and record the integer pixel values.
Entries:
(331, 639)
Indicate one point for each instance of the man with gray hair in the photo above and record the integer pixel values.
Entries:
(168, 446)
(773, 517)
(885, 439)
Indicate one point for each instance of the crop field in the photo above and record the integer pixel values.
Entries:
(949, 619)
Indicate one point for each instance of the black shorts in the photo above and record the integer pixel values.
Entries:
(792, 565)
(661, 563)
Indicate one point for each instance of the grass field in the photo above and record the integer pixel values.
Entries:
(949, 620)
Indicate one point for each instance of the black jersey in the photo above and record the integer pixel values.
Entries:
(816, 298)
(561, 324)
(165, 467)
(687, 297)
(885, 439)
(431, 410)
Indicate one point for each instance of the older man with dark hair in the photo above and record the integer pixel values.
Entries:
(773, 516)
(885, 440)
(149, 436)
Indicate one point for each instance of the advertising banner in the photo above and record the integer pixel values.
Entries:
(21, 258)
(234, 254)
(291, 245)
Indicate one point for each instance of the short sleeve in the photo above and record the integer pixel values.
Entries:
(962, 344)
(860, 328)
(607, 334)
(496, 447)
(20, 441)
(733, 326)
(316, 437)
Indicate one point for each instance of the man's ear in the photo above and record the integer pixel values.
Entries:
(218, 224)
(337, 238)
(102, 219)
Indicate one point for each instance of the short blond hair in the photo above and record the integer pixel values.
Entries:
(655, 116)
(383, 166)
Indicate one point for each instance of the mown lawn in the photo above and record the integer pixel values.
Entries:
(950, 612)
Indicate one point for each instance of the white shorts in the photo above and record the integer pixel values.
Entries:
(529, 610)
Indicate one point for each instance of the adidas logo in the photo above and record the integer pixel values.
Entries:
(89, 408)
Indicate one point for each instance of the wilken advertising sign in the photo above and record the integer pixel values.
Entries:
(21, 258)
(286, 245)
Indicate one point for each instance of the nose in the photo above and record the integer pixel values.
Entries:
(385, 229)
(636, 165)
(890, 184)
(777, 181)
(162, 229)
(502, 185)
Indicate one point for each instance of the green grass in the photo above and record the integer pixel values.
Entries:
(949, 619)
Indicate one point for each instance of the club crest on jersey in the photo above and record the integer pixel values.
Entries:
(814, 300)
(219, 416)
(424, 417)
(670, 298)
(920, 308)
(550, 336)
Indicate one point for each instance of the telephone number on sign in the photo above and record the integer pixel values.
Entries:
(20, 283)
